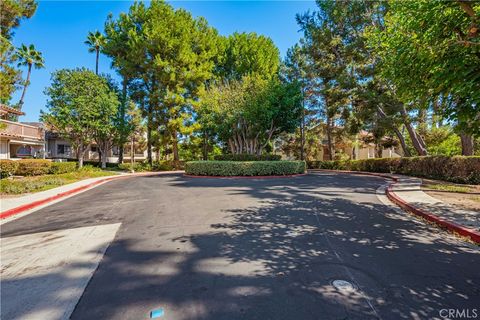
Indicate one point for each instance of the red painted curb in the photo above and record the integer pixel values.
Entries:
(245, 177)
(37, 203)
(28, 206)
(451, 226)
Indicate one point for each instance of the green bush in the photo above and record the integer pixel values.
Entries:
(156, 166)
(244, 168)
(247, 157)
(62, 167)
(8, 168)
(457, 169)
(33, 167)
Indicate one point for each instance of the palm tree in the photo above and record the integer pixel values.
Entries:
(28, 56)
(95, 41)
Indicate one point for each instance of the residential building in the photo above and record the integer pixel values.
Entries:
(20, 140)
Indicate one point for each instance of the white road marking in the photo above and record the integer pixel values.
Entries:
(43, 275)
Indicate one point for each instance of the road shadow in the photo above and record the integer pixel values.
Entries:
(276, 259)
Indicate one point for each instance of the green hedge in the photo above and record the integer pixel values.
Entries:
(33, 167)
(156, 166)
(8, 168)
(245, 168)
(247, 157)
(457, 169)
(62, 167)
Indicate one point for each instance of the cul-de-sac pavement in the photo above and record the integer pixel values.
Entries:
(211, 248)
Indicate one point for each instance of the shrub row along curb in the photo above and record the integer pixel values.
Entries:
(244, 168)
(450, 226)
(458, 169)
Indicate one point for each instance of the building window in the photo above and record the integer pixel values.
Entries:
(115, 150)
(93, 148)
(24, 151)
(63, 149)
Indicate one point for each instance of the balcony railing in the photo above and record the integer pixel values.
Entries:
(21, 130)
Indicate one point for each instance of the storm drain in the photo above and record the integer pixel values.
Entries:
(343, 285)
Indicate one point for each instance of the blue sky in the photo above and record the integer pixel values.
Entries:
(58, 29)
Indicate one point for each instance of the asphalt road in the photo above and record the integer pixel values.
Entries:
(262, 249)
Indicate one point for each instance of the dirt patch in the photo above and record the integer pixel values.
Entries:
(459, 195)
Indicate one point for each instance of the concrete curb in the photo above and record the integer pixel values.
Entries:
(34, 204)
(449, 225)
(245, 177)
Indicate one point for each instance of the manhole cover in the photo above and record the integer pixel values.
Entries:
(343, 285)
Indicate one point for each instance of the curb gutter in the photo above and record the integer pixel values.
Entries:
(34, 204)
(449, 225)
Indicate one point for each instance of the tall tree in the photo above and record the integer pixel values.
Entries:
(81, 107)
(95, 42)
(429, 49)
(248, 114)
(30, 57)
(247, 54)
(12, 12)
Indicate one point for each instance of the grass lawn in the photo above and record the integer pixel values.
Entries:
(41, 183)
(463, 196)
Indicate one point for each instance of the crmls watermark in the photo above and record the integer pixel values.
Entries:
(459, 313)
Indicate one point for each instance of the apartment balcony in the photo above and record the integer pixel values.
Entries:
(17, 130)
(19, 140)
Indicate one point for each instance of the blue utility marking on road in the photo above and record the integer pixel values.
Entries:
(157, 313)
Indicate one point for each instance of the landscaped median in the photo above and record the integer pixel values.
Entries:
(34, 175)
(244, 168)
(457, 169)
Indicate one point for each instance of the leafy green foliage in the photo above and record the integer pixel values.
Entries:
(81, 106)
(244, 168)
(427, 48)
(33, 167)
(12, 12)
(247, 157)
(455, 169)
(248, 114)
(49, 181)
(62, 167)
(7, 168)
(248, 54)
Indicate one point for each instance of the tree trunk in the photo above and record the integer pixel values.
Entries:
(123, 107)
(205, 146)
(104, 159)
(467, 144)
(417, 141)
(80, 156)
(399, 135)
(302, 133)
(27, 83)
(176, 158)
(96, 61)
(149, 134)
(401, 138)
(378, 150)
(99, 155)
(331, 149)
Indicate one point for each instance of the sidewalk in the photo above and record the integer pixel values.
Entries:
(408, 191)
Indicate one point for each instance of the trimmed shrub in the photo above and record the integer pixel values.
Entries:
(62, 167)
(156, 166)
(33, 167)
(457, 169)
(247, 157)
(244, 168)
(8, 168)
